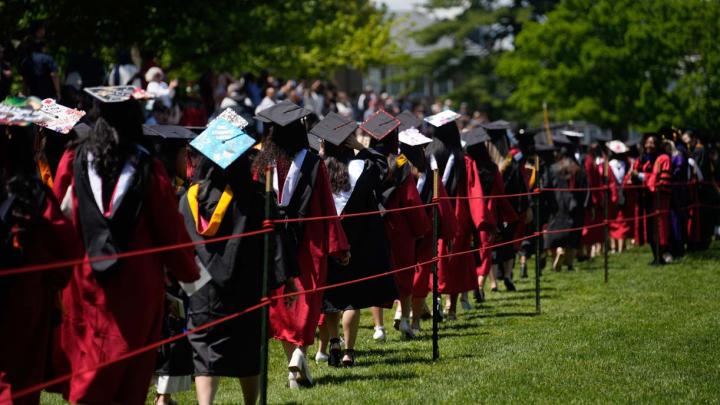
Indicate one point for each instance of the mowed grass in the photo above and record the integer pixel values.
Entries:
(650, 336)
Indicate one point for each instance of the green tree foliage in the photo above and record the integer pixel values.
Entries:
(480, 34)
(621, 63)
(291, 37)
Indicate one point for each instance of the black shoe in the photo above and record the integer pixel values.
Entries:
(581, 259)
(571, 268)
(335, 353)
(494, 289)
(479, 296)
(509, 285)
(523, 271)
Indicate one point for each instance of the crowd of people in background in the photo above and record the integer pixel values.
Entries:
(110, 186)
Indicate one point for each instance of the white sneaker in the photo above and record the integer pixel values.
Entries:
(406, 330)
(292, 381)
(379, 335)
(299, 364)
(321, 357)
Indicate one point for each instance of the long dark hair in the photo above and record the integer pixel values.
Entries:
(280, 144)
(446, 142)
(336, 160)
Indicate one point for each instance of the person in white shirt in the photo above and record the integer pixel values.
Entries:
(159, 89)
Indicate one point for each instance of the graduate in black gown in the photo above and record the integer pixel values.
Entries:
(174, 361)
(222, 202)
(566, 208)
(353, 180)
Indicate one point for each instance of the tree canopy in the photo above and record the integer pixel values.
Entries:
(291, 37)
(480, 34)
(620, 63)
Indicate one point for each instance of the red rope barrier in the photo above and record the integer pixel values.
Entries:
(139, 252)
(490, 197)
(267, 301)
(357, 214)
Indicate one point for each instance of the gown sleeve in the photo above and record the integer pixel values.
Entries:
(478, 206)
(418, 219)
(168, 226)
(64, 174)
(448, 221)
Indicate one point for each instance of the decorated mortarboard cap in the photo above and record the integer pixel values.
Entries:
(380, 124)
(442, 118)
(282, 113)
(117, 94)
(334, 128)
(617, 147)
(169, 132)
(408, 120)
(413, 137)
(559, 137)
(224, 140)
(475, 136)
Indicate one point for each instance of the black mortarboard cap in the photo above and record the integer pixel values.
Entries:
(380, 124)
(334, 128)
(283, 113)
(475, 136)
(496, 125)
(541, 143)
(170, 132)
(408, 120)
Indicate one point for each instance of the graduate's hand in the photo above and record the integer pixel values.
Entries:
(353, 143)
(345, 260)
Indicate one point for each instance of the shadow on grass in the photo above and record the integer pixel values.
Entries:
(520, 297)
(350, 377)
(498, 315)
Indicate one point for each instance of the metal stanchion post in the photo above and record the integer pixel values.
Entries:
(265, 310)
(606, 247)
(538, 238)
(435, 294)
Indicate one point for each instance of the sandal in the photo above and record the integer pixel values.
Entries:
(349, 358)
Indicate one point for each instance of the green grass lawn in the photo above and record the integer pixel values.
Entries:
(650, 335)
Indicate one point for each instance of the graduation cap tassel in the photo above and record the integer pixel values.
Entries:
(265, 280)
(436, 295)
(546, 123)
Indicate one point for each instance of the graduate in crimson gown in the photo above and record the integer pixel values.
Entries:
(403, 228)
(119, 199)
(32, 231)
(593, 235)
(412, 144)
(488, 214)
(653, 171)
(302, 187)
(456, 273)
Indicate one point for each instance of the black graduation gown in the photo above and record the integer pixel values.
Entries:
(566, 208)
(369, 247)
(231, 348)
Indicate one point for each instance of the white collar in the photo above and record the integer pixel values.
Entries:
(355, 170)
(448, 169)
(291, 180)
(121, 187)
